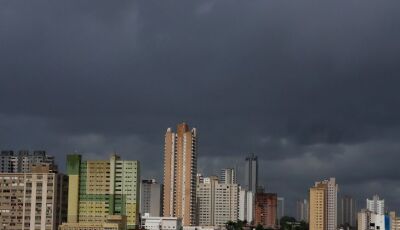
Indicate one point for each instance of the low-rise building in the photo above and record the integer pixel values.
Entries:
(113, 222)
(161, 223)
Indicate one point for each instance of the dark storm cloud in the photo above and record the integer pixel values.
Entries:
(311, 87)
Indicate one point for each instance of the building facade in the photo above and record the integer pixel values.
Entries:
(246, 205)
(217, 202)
(317, 218)
(180, 170)
(228, 176)
(281, 208)
(328, 219)
(206, 201)
(150, 198)
(376, 205)
(266, 210)
(394, 221)
(368, 220)
(22, 161)
(102, 190)
(302, 210)
(347, 211)
(251, 173)
(31, 201)
(161, 223)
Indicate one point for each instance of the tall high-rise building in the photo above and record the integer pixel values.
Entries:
(228, 176)
(376, 205)
(317, 216)
(302, 210)
(323, 205)
(205, 201)
(265, 210)
(102, 192)
(150, 198)
(281, 208)
(217, 202)
(251, 173)
(347, 211)
(246, 205)
(180, 170)
(35, 200)
(22, 161)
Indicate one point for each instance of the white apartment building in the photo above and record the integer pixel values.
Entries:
(376, 205)
(161, 223)
(217, 203)
(368, 220)
(246, 205)
(228, 176)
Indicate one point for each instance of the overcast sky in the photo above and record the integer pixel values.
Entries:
(311, 87)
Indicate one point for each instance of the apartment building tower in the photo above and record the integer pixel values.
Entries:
(228, 176)
(347, 211)
(323, 205)
(251, 173)
(246, 205)
(376, 205)
(266, 210)
(302, 210)
(180, 170)
(217, 202)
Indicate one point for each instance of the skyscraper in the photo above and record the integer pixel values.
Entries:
(302, 210)
(251, 173)
(323, 205)
(246, 205)
(347, 211)
(281, 208)
(102, 191)
(180, 170)
(376, 205)
(228, 176)
(317, 216)
(265, 210)
(150, 198)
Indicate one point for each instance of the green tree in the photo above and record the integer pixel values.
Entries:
(259, 227)
(286, 222)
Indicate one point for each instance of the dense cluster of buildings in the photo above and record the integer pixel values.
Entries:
(110, 195)
(324, 210)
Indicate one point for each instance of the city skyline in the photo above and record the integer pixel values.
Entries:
(306, 86)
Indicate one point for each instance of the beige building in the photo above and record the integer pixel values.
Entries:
(102, 193)
(323, 208)
(32, 201)
(317, 208)
(217, 202)
(394, 221)
(180, 170)
(111, 222)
